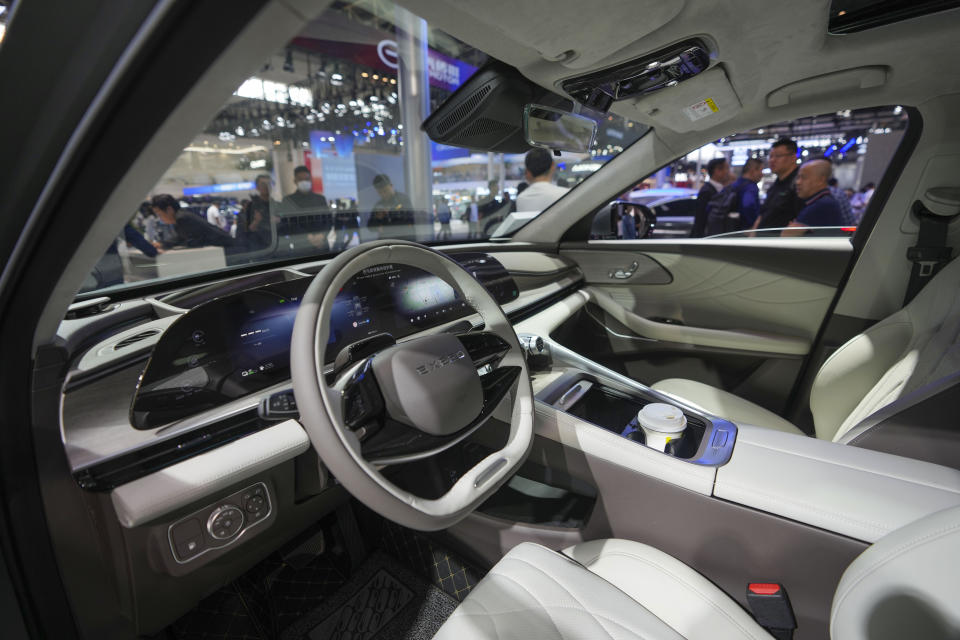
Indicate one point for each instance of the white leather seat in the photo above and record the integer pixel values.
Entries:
(915, 346)
(602, 589)
(903, 586)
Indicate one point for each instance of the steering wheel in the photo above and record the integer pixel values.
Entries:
(410, 400)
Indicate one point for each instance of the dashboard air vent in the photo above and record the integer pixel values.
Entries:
(137, 337)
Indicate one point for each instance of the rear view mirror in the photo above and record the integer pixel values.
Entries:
(558, 130)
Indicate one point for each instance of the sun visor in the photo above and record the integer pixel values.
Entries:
(829, 84)
(693, 105)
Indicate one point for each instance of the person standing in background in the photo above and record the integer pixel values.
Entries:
(392, 215)
(193, 230)
(541, 193)
(782, 204)
(860, 200)
(846, 211)
(443, 215)
(307, 214)
(820, 209)
(253, 229)
(718, 176)
(213, 215)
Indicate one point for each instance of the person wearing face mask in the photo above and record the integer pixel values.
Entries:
(305, 219)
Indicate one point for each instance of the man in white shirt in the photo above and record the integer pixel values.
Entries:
(539, 174)
(213, 216)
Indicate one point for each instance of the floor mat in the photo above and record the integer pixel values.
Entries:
(282, 595)
(429, 560)
(382, 600)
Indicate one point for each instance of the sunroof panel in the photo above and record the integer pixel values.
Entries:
(849, 16)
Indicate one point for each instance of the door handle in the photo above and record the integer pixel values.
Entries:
(623, 274)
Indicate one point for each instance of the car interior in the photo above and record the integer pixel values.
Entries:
(413, 438)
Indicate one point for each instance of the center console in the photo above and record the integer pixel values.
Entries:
(579, 387)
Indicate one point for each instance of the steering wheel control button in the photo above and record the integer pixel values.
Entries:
(362, 401)
(225, 522)
(484, 348)
(281, 405)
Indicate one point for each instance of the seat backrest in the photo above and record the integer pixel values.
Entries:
(903, 586)
(918, 344)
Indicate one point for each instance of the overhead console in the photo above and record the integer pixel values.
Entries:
(239, 344)
(659, 70)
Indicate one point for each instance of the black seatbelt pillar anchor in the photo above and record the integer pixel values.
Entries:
(771, 608)
(931, 252)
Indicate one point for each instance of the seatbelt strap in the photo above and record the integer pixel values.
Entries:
(930, 253)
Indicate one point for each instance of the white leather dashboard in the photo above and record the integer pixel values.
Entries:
(856, 492)
(179, 485)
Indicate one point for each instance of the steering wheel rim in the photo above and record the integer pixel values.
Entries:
(320, 404)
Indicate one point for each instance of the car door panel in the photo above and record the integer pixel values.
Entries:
(744, 340)
(739, 314)
(602, 267)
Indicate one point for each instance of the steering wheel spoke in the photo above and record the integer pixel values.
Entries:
(361, 401)
(485, 348)
(397, 443)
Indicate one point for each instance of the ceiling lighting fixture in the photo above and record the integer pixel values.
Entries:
(233, 152)
(288, 62)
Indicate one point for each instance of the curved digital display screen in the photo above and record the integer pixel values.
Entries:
(239, 344)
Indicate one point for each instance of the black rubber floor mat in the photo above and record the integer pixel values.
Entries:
(382, 600)
(268, 598)
(430, 560)
(225, 615)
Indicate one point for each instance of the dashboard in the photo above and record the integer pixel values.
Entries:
(196, 360)
(239, 344)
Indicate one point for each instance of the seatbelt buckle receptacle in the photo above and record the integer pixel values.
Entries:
(771, 608)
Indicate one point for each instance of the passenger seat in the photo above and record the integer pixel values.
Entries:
(915, 346)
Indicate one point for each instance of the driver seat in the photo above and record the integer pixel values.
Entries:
(902, 586)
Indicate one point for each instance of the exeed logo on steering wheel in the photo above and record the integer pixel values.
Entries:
(440, 362)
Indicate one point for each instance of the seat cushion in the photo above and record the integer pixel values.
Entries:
(685, 600)
(723, 404)
(534, 592)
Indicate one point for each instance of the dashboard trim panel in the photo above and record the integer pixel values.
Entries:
(101, 458)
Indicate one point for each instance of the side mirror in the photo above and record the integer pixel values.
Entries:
(631, 221)
(556, 129)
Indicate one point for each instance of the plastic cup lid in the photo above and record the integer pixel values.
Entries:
(659, 416)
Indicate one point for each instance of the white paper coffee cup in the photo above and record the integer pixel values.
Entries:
(661, 423)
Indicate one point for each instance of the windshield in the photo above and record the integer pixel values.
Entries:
(321, 149)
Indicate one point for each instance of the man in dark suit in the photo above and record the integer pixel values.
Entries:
(718, 175)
